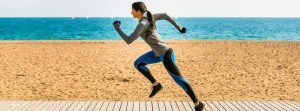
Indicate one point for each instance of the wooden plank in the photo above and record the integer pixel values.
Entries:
(180, 106)
(168, 106)
(129, 106)
(98, 106)
(10, 104)
(41, 106)
(244, 106)
(296, 103)
(253, 106)
(187, 106)
(287, 105)
(34, 106)
(110, 106)
(71, 108)
(92, 105)
(79, 105)
(212, 106)
(256, 106)
(148, 106)
(219, 106)
(14, 106)
(161, 106)
(276, 106)
(123, 106)
(67, 105)
(282, 105)
(4, 104)
(155, 106)
(263, 106)
(269, 105)
(117, 106)
(25, 104)
(32, 103)
(191, 104)
(238, 105)
(225, 106)
(136, 106)
(54, 105)
(45, 108)
(231, 106)
(206, 106)
(174, 106)
(85, 106)
(60, 106)
(142, 106)
(104, 106)
(291, 104)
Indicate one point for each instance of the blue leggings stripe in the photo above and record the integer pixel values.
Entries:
(149, 58)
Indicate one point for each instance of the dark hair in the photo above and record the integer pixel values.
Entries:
(142, 8)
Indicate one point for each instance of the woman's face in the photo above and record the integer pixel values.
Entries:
(135, 13)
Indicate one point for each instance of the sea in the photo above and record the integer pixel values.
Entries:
(198, 28)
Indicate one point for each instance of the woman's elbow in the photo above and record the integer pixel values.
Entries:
(166, 15)
(129, 42)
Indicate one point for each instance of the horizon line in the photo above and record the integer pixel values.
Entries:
(132, 17)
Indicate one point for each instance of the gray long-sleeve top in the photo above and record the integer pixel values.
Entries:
(150, 36)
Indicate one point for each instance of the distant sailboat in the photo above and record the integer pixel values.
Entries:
(87, 17)
(112, 18)
(73, 18)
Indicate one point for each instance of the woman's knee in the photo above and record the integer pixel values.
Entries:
(139, 63)
(136, 63)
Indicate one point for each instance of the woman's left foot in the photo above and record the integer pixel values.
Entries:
(155, 89)
(199, 106)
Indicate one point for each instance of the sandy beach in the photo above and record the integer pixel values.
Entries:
(103, 70)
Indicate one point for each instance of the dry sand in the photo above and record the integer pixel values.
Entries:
(103, 70)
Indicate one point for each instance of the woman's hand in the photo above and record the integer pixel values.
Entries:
(182, 30)
(117, 24)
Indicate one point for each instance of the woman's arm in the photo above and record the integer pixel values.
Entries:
(165, 16)
(134, 35)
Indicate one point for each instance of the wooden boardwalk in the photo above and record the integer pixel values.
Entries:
(147, 106)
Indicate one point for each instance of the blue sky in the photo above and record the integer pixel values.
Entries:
(177, 8)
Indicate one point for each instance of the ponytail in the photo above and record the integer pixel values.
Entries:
(142, 8)
(151, 20)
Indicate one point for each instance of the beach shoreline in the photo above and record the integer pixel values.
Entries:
(103, 70)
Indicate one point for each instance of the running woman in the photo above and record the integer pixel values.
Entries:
(160, 52)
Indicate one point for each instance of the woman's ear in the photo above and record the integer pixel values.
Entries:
(139, 12)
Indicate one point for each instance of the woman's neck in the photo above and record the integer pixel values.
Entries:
(140, 17)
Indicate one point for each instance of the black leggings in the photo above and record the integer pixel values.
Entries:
(169, 63)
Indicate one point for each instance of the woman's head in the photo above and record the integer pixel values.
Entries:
(138, 10)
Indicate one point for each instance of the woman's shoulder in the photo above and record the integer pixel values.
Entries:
(144, 21)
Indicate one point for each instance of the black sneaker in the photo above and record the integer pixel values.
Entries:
(155, 89)
(199, 107)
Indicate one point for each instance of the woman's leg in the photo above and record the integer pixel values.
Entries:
(140, 65)
(142, 61)
(170, 65)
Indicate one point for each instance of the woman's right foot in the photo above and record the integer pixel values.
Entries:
(199, 106)
(155, 89)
